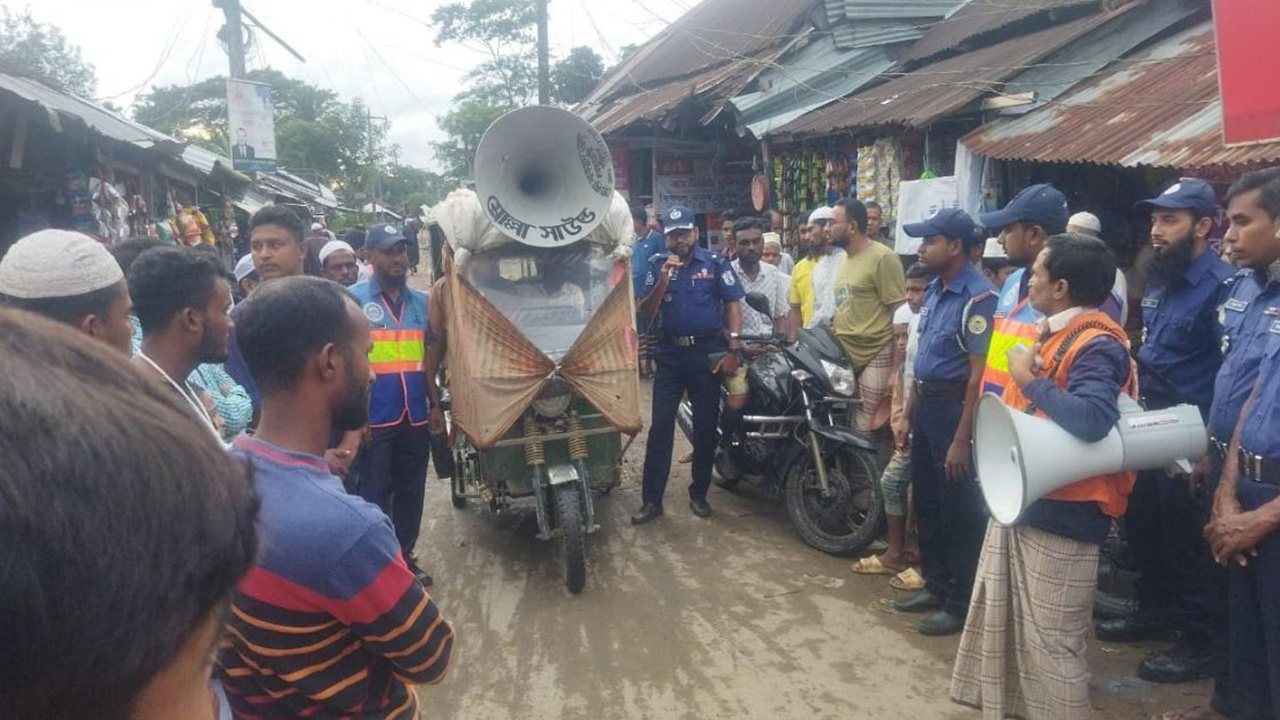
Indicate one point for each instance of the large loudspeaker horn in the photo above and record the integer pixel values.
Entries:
(1020, 458)
(544, 176)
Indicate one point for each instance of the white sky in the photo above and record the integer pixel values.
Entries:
(355, 47)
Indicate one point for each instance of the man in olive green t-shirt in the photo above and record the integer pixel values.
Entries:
(870, 287)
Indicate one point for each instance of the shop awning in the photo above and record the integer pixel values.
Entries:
(1158, 107)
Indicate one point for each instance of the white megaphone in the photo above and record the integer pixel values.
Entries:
(1020, 458)
(544, 176)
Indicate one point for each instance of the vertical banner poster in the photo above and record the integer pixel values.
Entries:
(919, 200)
(1248, 65)
(251, 126)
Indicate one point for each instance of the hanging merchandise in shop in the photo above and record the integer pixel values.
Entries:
(879, 174)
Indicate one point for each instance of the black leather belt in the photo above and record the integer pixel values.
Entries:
(937, 389)
(1259, 469)
(688, 340)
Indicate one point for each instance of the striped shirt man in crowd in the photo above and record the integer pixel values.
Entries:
(330, 622)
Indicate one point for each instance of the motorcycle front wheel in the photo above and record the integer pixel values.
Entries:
(850, 517)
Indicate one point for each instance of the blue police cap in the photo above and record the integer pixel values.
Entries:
(1186, 194)
(678, 217)
(1042, 205)
(951, 222)
(383, 237)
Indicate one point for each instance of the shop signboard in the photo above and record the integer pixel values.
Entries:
(704, 185)
(251, 126)
(919, 200)
(1248, 64)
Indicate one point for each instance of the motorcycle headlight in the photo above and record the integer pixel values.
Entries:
(842, 378)
(554, 400)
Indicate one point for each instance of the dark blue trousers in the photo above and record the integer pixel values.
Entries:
(951, 516)
(1255, 621)
(682, 370)
(393, 476)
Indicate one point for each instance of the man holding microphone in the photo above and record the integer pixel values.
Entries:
(698, 294)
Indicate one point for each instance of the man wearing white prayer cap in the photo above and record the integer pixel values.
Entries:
(246, 277)
(1085, 223)
(338, 263)
(69, 277)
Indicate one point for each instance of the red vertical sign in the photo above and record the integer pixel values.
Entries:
(1248, 68)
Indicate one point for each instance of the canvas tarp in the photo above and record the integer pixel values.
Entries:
(496, 372)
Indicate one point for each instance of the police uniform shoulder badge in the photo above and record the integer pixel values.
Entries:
(374, 313)
(977, 325)
(728, 279)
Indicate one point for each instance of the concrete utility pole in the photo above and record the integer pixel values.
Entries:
(234, 35)
(544, 60)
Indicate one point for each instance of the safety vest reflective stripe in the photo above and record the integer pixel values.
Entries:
(393, 335)
(1016, 328)
(386, 351)
(395, 367)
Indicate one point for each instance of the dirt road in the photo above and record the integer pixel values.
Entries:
(729, 617)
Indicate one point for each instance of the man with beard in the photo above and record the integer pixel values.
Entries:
(875, 227)
(1177, 363)
(802, 274)
(183, 303)
(698, 294)
(330, 621)
(404, 404)
(870, 286)
(828, 259)
(338, 263)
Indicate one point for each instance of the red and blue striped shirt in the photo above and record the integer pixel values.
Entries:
(330, 623)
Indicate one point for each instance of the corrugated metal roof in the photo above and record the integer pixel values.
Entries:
(96, 117)
(923, 96)
(806, 79)
(856, 35)
(892, 9)
(207, 163)
(713, 33)
(1159, 107)
(979, 17)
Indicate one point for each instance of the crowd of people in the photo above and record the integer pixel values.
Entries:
(282, 560)
(1044, 328)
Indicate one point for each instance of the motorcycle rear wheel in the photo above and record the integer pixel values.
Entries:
(849, 519)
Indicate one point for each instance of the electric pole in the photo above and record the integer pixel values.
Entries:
(234, 35)
(544, 60)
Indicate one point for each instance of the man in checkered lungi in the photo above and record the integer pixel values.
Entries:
(1023, 648)
(870, 286)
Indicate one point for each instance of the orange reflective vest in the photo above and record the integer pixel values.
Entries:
(1015, 324)
(398, 357)
(1057, 354)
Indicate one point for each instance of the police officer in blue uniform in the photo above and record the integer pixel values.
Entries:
(698, 295)
(1177, 363)
(1243, 532)
(955, 330)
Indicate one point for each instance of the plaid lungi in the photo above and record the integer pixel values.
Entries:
(874, 381)
(1023, 649)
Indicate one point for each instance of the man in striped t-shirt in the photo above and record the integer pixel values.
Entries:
(330, 622)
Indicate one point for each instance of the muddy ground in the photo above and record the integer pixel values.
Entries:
(728, 617)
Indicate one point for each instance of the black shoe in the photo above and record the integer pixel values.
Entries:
(647, 513)
(700, 507)
(1178, 665)
(923, 601)
(941, 623)
(423, 578)
(1134, 628)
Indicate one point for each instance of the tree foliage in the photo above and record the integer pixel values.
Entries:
(39, 50)
(505, 30)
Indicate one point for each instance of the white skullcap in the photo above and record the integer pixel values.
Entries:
(316, 226)
(57, 264)
(244, 266)
(994, 249)
(773, 238)
(1086, 220)
(332, 247)
(822, 213)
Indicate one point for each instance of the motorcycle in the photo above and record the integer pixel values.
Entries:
(790, 445)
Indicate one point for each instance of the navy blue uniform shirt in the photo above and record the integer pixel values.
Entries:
(644, 249)
(694, 303)
(955, 323)
(1260, 433)
(1246, 318)
(1088, 410)
(1181, 337)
